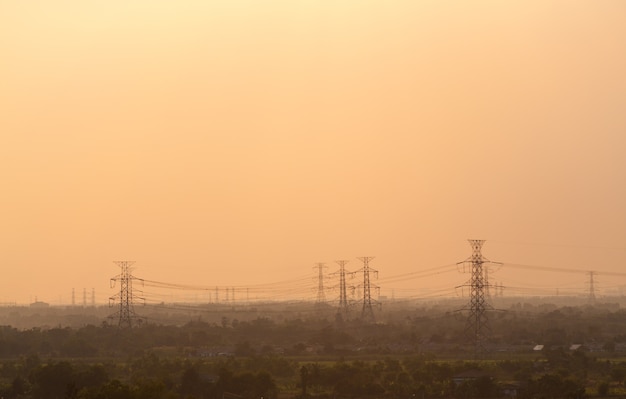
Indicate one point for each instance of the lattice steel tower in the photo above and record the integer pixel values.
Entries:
(321, 297)
(477, 327)
(367, 314)
(126, 314)
(343, 292)
(592, 290)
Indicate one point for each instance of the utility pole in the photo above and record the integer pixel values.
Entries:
(321, 297)
(477, 327)
(367, 313)
(126, 314)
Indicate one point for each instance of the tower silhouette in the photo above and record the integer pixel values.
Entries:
(477, 325)
(367, 314)
(321, 296)
(342, 310)
(592, 290)
(126, 314)
(486, 282)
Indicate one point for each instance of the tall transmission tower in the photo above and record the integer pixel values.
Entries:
(367, 314)
(477, 327)
(126, 314)
(592, 291)
(321, 297)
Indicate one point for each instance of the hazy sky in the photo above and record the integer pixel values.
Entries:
(224, 142)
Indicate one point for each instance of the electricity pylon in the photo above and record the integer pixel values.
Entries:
(343, 309)
(367, 314)
(321, 296)
(126, 314)
(477, 327)
(343, 293)
(486, 281)
(592, 291)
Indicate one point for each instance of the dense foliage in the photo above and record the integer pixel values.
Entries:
(423, 355)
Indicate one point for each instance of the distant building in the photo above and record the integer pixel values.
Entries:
(39, 305)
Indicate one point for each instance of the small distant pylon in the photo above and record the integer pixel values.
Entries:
(126, 314)
(592, 291)
(343, 308)
(477, 327)
(321, 296)
(84, 297)
(93, 297)
(367, 314)
(486, 281)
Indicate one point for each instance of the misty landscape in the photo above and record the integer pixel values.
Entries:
(301, 199)
(481, 345)
(534, 348)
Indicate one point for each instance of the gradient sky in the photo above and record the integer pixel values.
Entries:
(238, 142)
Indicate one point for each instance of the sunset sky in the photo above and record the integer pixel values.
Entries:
(233, 143)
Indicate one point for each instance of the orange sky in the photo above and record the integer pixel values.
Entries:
(237, 142)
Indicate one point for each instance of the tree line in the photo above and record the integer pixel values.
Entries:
(417, 356)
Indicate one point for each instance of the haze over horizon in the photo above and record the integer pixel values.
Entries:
(230, 143)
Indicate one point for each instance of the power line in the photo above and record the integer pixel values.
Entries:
(561, 269)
